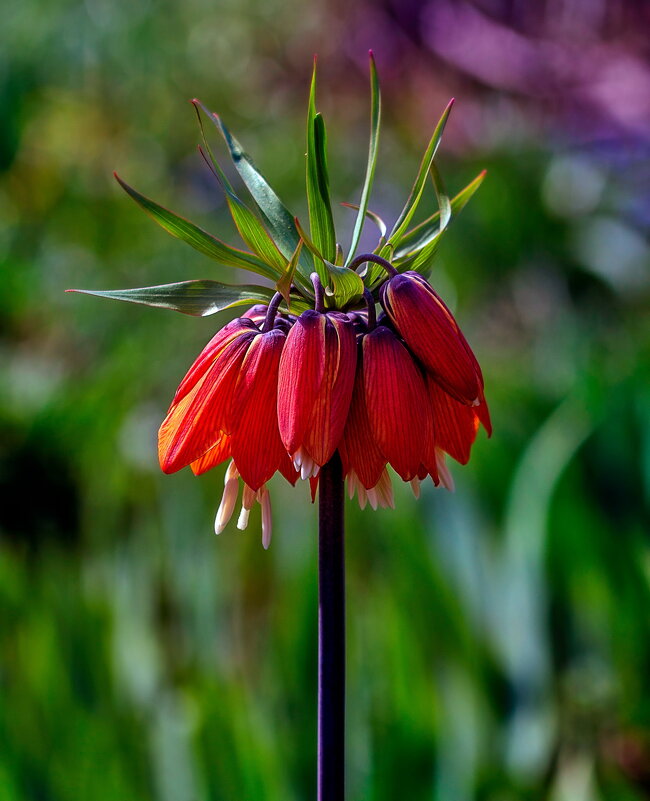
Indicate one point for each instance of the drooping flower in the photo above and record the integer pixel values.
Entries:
(308, 371)
(226, 407)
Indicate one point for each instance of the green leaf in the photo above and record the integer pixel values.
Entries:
(342, 285)
(283, 284)
(274, 212)
(375, 122)
(420, 260)
(318, 193)
(197, 298)
(198, 238)
(249, 226)
(418, 187)
(371, 215)
(418, 236)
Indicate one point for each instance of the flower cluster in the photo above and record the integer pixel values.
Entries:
(275, 392)
(310, 371)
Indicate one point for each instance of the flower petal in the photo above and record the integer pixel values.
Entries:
(209, 353)
(358, 448)
(256, 445)
(396, 401)
(195, 423)
(431, 332)
(217, 454)
(332, 403)
(455, 423)
(300, 377)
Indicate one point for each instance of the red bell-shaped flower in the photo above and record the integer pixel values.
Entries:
(432, 334)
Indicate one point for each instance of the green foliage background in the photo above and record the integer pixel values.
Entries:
(499, 638)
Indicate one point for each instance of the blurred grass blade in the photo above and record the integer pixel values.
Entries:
(418, 236)
(375, 123)
(274, 212)
(249, 226)
(283, 284)
(198, 238)
(318, 192)
(341, 284)
(196, 298)
(418, 187)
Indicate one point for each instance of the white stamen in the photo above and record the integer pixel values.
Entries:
(446, 478)
(247, 500)
(231, 472)
(228, 500)
(314, 472)
(267, 521)
(306, 468)
(415, 486)
(362, 495)
(351, 485)
(372, 497)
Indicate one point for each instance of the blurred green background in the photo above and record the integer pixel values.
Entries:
(499, 638)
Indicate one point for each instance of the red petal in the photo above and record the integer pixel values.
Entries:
(216, 455)
(430, 331)
(455, 424)
(313, 486)
(358, 449)
(194, 423)
(209, 353)
(300, 377)
(256, 445)
(396, 401)
(332, 403)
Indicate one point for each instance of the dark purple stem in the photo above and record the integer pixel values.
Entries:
(364, 257)
(271, 311)
(331, 633)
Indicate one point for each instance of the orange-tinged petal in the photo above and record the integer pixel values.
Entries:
(431, 332)
(332, 403)
(300, 377)
(217, 454)
(210, 352)
(195, 423)
(358, 448)
(396, 401)
(257, 449)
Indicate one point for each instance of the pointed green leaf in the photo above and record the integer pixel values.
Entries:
(420, 260)
(250, 228)
(276, 215)
(198, 238)
(318, 193)
(375, 121)
(418, 236)
(283, 284)
(197, 298)
(339, 255)
(371, 215)
(319, 261)
(418, 187)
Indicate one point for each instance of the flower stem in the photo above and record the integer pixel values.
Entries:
(331, 633)
(372, 257)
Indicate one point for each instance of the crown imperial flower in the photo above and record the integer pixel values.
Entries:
(307, 371)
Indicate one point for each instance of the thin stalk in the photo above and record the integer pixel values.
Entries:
(331, 633)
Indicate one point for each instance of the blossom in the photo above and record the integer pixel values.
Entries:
(310, 371)
(277, 393)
